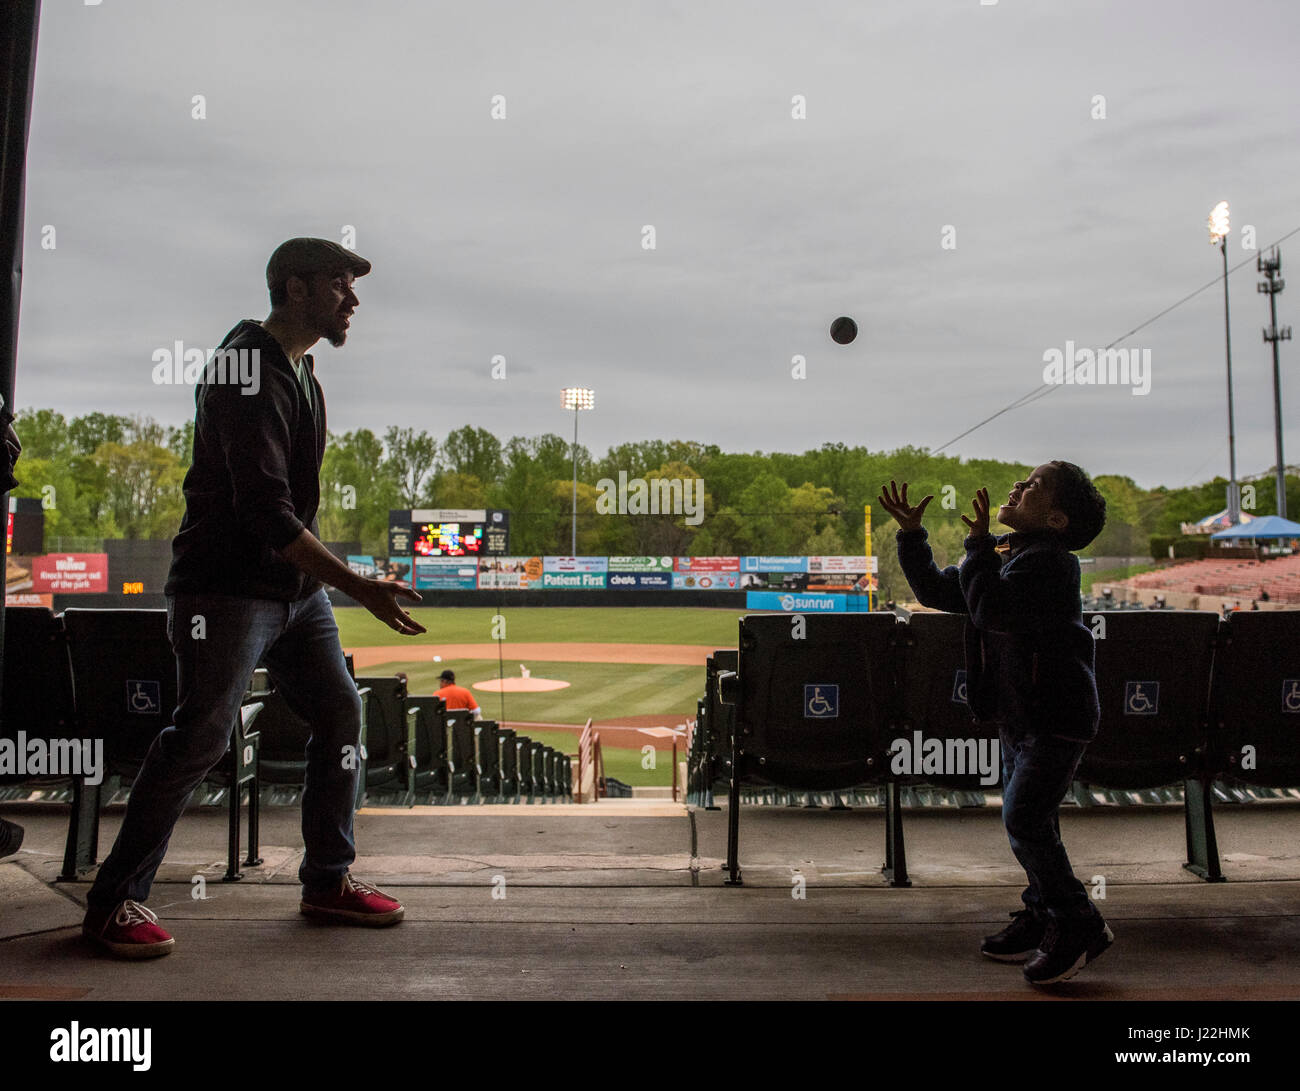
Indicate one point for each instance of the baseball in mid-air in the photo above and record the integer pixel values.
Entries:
(437, 659)
(843, 330)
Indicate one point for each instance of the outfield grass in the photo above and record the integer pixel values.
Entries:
(358, 628)
(600, 691)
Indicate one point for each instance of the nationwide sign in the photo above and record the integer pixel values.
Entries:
(774, 564)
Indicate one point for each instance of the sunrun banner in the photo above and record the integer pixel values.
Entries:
(796, 603)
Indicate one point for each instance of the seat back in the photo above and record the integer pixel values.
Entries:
(816, 702)
(460, 732)
(1257, 699)
(124, 680)
(489, 757)
(524, 764)
(38, 694)
(508, 760)
(933, 700)
(719, 718)
(1153, 681)
(385, 720)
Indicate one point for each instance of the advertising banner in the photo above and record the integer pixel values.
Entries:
(640, 564)
(706, 581)
(662, 581)
(575, 564)
(796, 603)
(843, 564)
(706, 564)
(574, 581)
(774, 564)
(509, 573)
(392, 569)
(69, 573)
(446, 574)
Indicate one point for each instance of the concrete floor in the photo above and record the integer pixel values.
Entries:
(609, 901)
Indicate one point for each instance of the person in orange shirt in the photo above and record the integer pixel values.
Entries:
(457, 696)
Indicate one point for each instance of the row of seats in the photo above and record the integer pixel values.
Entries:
(1187, 699)
(110, 675)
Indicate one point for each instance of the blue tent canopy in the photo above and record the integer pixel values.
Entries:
(1270, 526)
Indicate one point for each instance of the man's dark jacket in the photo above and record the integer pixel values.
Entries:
(254, 483)
(1030, 660)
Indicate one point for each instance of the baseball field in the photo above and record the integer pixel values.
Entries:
(627, 669)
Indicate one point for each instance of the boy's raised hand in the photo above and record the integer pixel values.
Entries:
(980, 524)
(909, 518)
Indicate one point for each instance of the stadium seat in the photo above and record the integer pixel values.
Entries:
(932, 682)
(524, 767)
(1154, 682)
(38, 697)
(385, 734)
(1255, 734)
(815, 706)
(124, 684)
(461, 763)
(487, 757)
(508, 763)
(426, 746)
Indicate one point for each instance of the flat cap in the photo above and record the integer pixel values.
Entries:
(306, 257)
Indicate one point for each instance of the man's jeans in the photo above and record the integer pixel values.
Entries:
(219, 640)
(1036, 774)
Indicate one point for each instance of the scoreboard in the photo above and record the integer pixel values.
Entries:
(448, 539)
(448, 532)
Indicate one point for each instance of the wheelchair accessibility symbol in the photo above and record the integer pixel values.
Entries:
(1141, 698)
(821, 702)
(143, 697)
(959, 688)
(1291, 695)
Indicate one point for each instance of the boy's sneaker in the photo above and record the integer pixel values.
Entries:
(1067, 948)
(1018, 940)
(129, 931)
(355, 902)
(11, 838)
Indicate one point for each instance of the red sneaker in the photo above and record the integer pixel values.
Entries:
(355, 902)
(129, 931)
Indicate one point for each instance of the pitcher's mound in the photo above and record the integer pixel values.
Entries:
(518, 685)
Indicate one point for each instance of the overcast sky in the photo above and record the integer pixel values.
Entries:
(523, 237)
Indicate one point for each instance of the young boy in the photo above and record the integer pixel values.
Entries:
(1030, 669)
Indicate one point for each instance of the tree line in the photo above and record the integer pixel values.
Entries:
(113, 476)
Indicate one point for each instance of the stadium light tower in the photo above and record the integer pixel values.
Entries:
(577, 398)
(1219, 235)
(1273, 283)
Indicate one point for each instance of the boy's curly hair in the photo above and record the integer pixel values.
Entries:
(1077, 497)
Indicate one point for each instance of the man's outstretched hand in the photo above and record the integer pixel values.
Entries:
(980, 524)
(380, 598)
(908, 518)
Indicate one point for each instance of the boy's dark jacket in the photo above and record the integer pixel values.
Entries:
(1030, 660)
(254, 483)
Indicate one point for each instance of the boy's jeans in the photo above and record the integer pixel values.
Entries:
(219, 640)
(1036, 774)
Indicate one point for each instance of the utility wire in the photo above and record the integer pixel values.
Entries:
(1043, 389)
